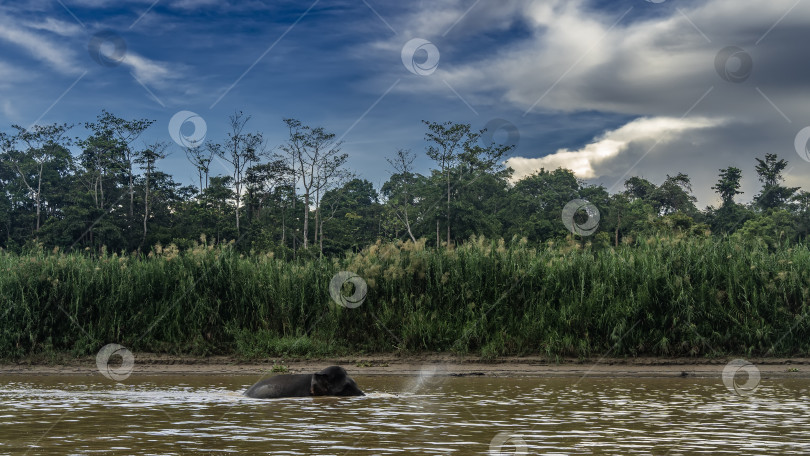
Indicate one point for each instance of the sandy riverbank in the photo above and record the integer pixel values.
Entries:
(438, 364)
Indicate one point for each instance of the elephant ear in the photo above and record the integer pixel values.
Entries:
(319, 385)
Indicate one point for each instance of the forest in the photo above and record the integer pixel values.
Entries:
(300, 198)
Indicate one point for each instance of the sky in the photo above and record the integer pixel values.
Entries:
(609, 89)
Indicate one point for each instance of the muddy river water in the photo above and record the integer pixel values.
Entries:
(206, 414)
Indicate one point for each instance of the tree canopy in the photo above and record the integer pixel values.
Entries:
(107, 192)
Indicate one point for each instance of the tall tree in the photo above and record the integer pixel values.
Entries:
(674, 195)
(638, 188)
(728, 186)
(730, 216)
(317, 162)
(44, 145)
(102, 161)
(773, 194)
(240, 150)
(147, 159)
(398, 189)
(446, 141)
(200, 157)
(125, 132)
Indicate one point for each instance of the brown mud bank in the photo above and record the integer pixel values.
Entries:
(433, 364)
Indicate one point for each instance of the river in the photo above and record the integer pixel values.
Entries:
(428, 414)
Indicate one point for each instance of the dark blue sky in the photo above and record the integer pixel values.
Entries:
(328, 62)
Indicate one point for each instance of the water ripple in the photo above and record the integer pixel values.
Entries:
(435, 415)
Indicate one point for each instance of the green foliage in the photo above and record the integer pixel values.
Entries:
(650, 280)
(772, 229)
(669, 295)
(769, 171)
(109, 193)
(729, 185)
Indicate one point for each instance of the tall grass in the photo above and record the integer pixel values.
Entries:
(660, 296)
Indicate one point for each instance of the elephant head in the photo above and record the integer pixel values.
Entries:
(333, 381)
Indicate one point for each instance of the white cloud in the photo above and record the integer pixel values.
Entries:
(59, 57)
(590, 161)
(56, 26)
(149, 71)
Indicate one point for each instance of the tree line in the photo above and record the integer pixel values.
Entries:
(300, 197)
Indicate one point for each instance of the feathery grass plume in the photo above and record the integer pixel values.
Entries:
(657, 296)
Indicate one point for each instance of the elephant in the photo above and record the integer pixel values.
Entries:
(332, 381)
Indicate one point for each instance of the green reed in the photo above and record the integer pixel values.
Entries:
(660, 296)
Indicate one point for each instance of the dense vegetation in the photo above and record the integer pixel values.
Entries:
(97, 245)
(298, 197)
(658, 296)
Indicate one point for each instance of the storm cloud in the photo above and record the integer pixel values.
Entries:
(708, 84)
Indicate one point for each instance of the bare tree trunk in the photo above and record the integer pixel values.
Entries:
(39, 193)
(131, 195)
(448, 210)
(408, 226)
(306, 218)
(145, 206)
(95, 191)
(317, 214)
(283, 226)
(317, 156)
(101, 189)
(237, 213)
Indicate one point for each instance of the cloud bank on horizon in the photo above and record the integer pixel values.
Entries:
(607, 89)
